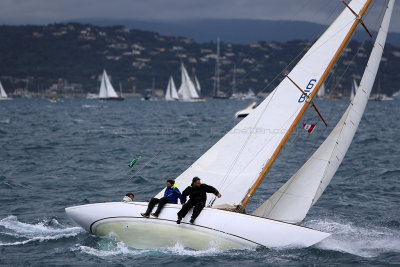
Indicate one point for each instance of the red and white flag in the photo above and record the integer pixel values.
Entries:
(309, 127)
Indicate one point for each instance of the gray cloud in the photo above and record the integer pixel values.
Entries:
(49, 11)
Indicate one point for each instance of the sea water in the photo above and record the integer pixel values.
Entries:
(77, 151)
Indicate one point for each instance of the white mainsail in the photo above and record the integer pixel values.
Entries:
(187, 91)
(234, 163)
(106, 89)
(354, 89)
(171, 93)
(293, 200)
(3, 94)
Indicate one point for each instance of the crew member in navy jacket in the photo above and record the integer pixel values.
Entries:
(171, 195)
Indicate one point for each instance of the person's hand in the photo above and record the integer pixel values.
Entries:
(183, 203)
(219, 195)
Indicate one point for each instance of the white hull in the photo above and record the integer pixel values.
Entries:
(213, 228)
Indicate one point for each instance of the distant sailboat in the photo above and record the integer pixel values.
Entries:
(187, 91)
(354, 88)
(241, 159)
(321, 92)
(107, 91)
(171, 94)
(3, 94)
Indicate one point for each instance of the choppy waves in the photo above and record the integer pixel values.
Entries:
(365, 241)
(13, 232)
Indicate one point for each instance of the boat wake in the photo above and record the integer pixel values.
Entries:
(365, 241)
(109, 247)
(14, 232)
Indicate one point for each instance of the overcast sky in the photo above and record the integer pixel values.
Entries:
(50, 11)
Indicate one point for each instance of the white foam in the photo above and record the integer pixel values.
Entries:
(368, 241)
(35, 232)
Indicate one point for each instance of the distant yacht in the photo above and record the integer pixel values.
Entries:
(3, 95)
(353, 90)
(187, 91)
(217, 92)
(171, 94)
(244, 112)
(107, 91)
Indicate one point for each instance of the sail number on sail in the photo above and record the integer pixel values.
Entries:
(310, 86)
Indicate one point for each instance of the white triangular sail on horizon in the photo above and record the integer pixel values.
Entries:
(234, 163)
(187, 90)
(106, 89)
(197, 84)
(354, 89)
(321, 91)
(3, 93)
(171, 94)
(293, 200)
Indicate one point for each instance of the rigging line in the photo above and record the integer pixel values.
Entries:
(136, 173)
(206, 144)
(223, 181)
(316, 35)
(255, 155)
(299, 11)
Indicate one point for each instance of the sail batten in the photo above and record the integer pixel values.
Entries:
(293, 200)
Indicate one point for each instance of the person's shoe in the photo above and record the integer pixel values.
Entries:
(191, 221)
(145, 215)
(179, 220)
(155, 214)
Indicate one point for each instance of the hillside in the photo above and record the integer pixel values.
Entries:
(35, 57)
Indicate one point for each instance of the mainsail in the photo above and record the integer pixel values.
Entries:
(171, 93)
(293, 200)
(187, 91)
(106, 89)
(2, 92)
(234, 163)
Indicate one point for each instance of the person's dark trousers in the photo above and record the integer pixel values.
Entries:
(198, 207)
(161, 203)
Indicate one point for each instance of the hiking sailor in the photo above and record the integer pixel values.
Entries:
(197, 193)
(171, 195)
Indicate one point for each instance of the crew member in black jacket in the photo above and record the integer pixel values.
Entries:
(197, 193)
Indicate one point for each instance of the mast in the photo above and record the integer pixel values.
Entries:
(216, 81)
(308, 101)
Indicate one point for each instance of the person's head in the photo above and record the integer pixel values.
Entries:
(170, 182)
(196, 181)
(130, 195)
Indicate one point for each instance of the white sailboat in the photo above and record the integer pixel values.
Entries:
(353, 91)
(246, 111)
(187, 91)
(107, 91)
(171, 94)
(3, 94)
(239, 161)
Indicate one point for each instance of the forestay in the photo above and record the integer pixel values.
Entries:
(233, 164)
(293, 200)
(106, 89)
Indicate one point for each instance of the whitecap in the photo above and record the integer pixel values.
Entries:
(368, 241)
(23, 233)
